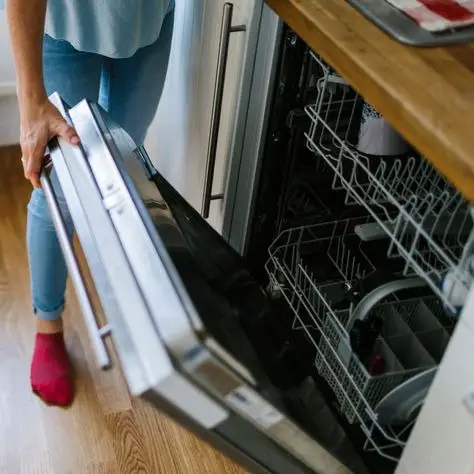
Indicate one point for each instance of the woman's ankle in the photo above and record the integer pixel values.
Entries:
(49, 327)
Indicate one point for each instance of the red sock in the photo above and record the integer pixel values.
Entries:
(50, 370)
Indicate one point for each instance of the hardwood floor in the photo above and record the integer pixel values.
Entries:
(104, 432)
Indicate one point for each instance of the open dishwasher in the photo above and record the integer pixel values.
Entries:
(315, 352)
(366, 246)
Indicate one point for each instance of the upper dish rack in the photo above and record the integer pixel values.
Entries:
(429, 222)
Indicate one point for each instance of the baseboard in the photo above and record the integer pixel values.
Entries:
(9, 115)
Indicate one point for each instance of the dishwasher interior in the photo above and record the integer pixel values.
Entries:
(366, 250)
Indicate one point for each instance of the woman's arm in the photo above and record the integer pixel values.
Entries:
(40, 120)
(26, 26)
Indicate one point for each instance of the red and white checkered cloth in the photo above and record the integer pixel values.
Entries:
(437, 15)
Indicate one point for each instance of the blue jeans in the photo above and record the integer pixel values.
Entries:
(130, 90)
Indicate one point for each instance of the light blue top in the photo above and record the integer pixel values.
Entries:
(113, 28)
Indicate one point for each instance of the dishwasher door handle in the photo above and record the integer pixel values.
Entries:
(226, 30)
(96, 333)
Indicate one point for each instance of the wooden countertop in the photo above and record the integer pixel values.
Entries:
(426, 93)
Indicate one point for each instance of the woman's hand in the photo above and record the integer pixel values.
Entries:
(40, 122)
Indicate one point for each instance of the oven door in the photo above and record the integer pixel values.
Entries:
(172, 292)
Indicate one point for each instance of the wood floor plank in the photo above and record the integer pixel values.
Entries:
(130, 450)
(37, 465)
(190, 455)
(103, 468)
(103, 432)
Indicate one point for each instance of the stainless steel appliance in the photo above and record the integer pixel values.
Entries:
(248, 339)
(205, 102)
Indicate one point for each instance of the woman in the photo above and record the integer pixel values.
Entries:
(112, 51)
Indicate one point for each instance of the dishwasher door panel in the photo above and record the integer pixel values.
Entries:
(173, 293)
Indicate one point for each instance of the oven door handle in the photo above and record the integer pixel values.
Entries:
(96, 333)
(226, 30)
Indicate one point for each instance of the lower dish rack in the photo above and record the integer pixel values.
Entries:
(429, 223)
(313, 267)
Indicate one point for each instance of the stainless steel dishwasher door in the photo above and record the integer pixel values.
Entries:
(167, 282)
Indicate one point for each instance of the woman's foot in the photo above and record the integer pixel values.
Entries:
(50, 375)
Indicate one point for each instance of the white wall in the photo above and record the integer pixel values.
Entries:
(9, 120)
(7, 73)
